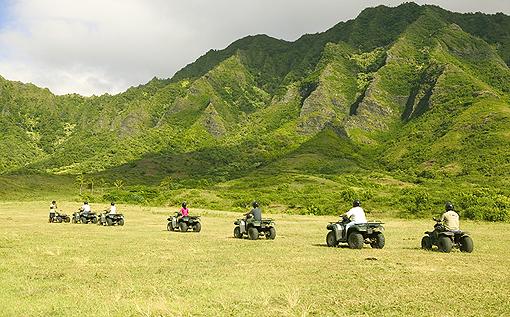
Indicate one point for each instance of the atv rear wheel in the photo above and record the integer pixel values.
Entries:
(426, 243)
(109, 222)
(237, 233)
(355, 240)
(253, 233)
(378, 241)
(83, 220)
(466, 244)
(183, 226)
(331, 239)
(445, 244)
(197, 227)
(271, 233)
(59, 220)
(67, 219)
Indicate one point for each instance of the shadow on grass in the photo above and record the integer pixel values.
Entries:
(340, 246)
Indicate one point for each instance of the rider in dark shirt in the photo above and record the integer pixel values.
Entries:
(255, 214)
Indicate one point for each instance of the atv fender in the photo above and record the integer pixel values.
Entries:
(339, 231)
(242, 226)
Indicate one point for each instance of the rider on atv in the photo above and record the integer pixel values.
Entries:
(85, 209)
(255, 214)
(184, 212)
(356, 215)
(112, 211)
(450, 218)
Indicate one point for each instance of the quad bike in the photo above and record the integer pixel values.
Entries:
(356, 235)
(445, 239)
(108, 219)
(253, 229)
(183, 224)
(80, 217)
(59, 217)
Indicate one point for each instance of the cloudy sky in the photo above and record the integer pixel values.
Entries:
(96, 46)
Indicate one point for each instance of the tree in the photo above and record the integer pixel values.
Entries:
(80, 180)
(102, 184)
(91, 183)
(119, 183)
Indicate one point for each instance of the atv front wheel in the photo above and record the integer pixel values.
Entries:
(426, 243)
(183, 226)
(83, 220)
(94, 220)
(331, 239)
(237, 233)
(67, 220)
(271, 233)
(197, 227)
(355, 240)
(378, 241)
(445, 244)
(466, 244)
(253, 233)
(109, 222)
(169, 227)
(121, 222)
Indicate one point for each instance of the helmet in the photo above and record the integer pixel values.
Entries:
(113, 204)
(448, 206)
(53, 202)
(255, 204)
(85, 202)
(356, 203)
(184, 204)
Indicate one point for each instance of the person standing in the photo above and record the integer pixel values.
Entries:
(53, 210)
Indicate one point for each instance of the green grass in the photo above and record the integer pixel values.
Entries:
(142, 270)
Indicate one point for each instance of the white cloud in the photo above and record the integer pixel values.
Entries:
(95, 46)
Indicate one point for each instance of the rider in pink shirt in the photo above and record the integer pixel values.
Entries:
(184, 211)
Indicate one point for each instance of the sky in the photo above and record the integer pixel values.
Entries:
(96, 46)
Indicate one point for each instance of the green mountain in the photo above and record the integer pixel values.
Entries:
(402, 107)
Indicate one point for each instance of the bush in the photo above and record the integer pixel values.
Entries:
(483, 204)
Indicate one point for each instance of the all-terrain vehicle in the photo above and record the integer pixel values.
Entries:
(445, 239)
(108, 219)
(254, 229)
(80, 217)
(183, 224)
(60, 217)
(357, 235)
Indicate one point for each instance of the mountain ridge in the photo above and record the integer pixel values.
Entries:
(395, 95)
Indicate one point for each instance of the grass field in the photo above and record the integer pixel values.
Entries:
(143, 270)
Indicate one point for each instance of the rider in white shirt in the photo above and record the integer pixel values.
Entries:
(113, 209)
(85, 208)
(356, 215)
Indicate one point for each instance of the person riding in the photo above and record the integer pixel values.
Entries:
(85, 209)
(53, 210)
(450, 218)
(184, 212)
(356, 215)
(113, 209)
(255, 214)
